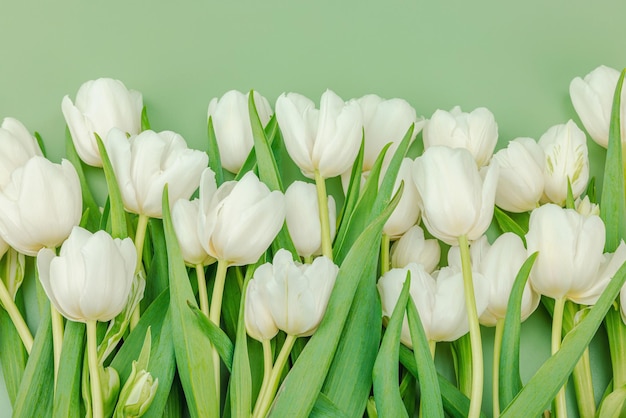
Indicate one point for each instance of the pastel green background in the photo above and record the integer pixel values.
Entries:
(516, 58)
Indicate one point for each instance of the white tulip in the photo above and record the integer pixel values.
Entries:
(476, 131)
(185, 221)
(407, 212)
(326, 140)
(570, 249)
(17, 146)
(40, 205)
(231, 122)
(455, 198)
(295, 294)
(303, 219)
(258, 318)
(440, 301)
(91, 278)
(412, 247)
(592, 98)
(101, 105)
(521, 180)
(143, 164)
(565, 148)
(238, 222)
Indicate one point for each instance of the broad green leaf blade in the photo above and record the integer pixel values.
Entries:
(118, 216)
(551, 376)
(219, 339)
(508, 224)
(300, 388)
(215, 162)
(509, 373)
(430, 394)
(35, 397)
(12, 355)
(349, 379)
(386, 390)
(611, 406)
(271, 130)
(67, 401)
(194, 363)
(455, 404)
(89, 203)
(325, 408)
(613, 200)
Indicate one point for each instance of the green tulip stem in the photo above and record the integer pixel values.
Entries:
(16, 317)
(474, 330)
(140, 236)
(268, 360)
(97, 405)
(308, 259)
(560, 406)
(202, 291)
(57, 339)
(616, 332)
(322, 201)
(433, 348)
(497, 349)
(215, 314)
(266, 396)
(385, 243)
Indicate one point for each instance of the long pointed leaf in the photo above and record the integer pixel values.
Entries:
(219, 339)
(67, 401)
(195, 365)
(386, 377)
(12, 355)
(118, 216)
(215, 162)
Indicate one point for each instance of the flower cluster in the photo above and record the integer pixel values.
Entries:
(194, 251)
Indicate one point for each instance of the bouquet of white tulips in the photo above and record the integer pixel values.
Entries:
(224, 283)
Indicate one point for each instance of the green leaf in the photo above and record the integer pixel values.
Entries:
(35, 396)
(509, 373)
(552, 375)
(354, 189)
(300, 388)
(13, 356)
(325, 408)
(41, 144)
(430, 394)
(156, 280)
(89, 203)
(613, 200)
(611, 406)
(195, 365)
(145, 122)
(455, 404)
(268, 171)
(591, 190)
(215, 162)
(386, 390)
(271, 130)
(219, 339)
(67, 401)
(507, 224)
(118, 216)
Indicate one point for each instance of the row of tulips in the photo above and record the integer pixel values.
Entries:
(205, 282)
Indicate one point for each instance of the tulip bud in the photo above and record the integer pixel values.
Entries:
(91, 278)
(12, 269)
(586, 208)
(40, 205)
(137, 394)
(455, 198)
(412, 247)
(303, 219)
(238, 221)
(295, 294)
(101, 105)
(592, 98)
(231, 122)
(476, 131)
(570, 249)
(185, 221)
(520, 184)
(565, 148)
(258, 318)
(110, 386)
(17, 146)
(143, 164)
(407, 212)
(440, 302)
(327, 139)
